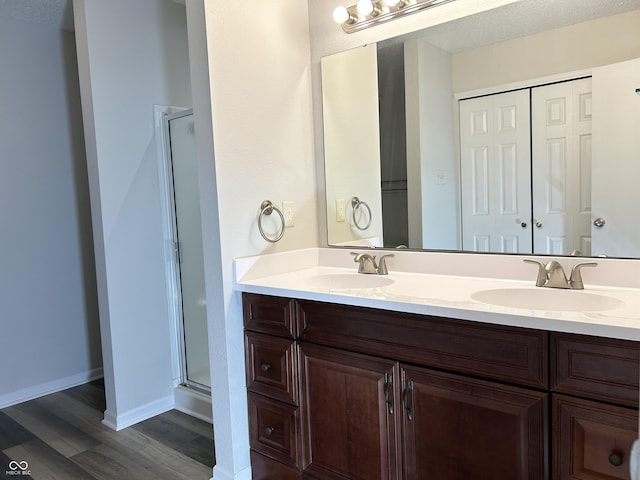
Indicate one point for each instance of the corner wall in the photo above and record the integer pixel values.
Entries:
(260, 100)
(124, 72)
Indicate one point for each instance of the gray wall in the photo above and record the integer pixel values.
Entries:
(48, 307)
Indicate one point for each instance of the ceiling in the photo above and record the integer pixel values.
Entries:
(51, 13)
(518, 19)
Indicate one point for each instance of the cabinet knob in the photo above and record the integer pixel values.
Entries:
(615, 459)
(269, 430)
(265, 367)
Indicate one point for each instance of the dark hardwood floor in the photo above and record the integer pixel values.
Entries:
(61, 437)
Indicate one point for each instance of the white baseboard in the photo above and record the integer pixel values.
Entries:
(138, 414)
(194, 403)
(47, 388)
(221, 474)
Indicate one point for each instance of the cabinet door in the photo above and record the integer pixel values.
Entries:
(459, 428)
(592, 440)
(348, 403)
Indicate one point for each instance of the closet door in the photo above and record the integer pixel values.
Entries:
(495, 157)
(561, 173)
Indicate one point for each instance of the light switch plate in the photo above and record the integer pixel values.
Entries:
(340, 210)
(287, 211)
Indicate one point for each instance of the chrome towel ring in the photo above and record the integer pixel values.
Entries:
(356, 206)
(267, 208)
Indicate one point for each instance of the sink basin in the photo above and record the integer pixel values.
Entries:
(347, 281)
(548, 299)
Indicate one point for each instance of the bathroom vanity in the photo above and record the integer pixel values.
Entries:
(346, 381)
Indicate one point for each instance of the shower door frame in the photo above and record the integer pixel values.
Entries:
(163, 115)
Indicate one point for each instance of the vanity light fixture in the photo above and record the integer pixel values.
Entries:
(368, 13)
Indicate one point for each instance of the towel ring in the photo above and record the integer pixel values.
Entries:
(267, 208)
(356, 205)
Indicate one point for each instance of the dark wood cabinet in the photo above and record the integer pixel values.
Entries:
(340, 392)
(458, 428)
(350, 430)
(593, 440)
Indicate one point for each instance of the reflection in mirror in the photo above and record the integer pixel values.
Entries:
(515, 137)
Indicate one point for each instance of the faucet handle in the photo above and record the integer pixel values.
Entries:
(382, 264)
(542, 272)
(576, 277)
(367, 262)
(360, 256)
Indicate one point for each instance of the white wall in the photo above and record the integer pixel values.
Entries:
(124, 71)
(260, 89)
(48, 306)
(431, 158)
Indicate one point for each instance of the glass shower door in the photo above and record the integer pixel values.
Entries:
(188, 245)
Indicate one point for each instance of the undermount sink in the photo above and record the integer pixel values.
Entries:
(549, 299)
(347, 281)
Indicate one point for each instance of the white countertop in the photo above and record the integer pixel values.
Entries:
(315, 274)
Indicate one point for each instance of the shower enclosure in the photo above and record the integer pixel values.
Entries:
(188, 264)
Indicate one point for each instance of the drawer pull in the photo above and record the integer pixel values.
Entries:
(269, 430)
(265, 367)
(615, 459)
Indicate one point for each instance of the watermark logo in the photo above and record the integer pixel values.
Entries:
(18, 468)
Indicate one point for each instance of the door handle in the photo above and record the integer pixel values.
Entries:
(388, 385)
(408, 390)
(599, 222)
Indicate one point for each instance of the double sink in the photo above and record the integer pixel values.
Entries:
(525, 297)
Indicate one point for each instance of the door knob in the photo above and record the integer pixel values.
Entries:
(538, 224)
(599, 222)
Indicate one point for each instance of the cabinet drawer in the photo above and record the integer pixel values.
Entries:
(514, 355)
(266, 314)
(591, 439)
(271, 366)
(273, 429)
(598, 368)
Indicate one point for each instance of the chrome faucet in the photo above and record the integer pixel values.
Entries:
(552, 275)
(368, 263)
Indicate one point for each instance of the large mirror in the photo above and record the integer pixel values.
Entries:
(516, 130)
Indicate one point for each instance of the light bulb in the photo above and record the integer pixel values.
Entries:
(340, 15)
(364, 7)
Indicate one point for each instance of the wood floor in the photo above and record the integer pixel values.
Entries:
(61, 437)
